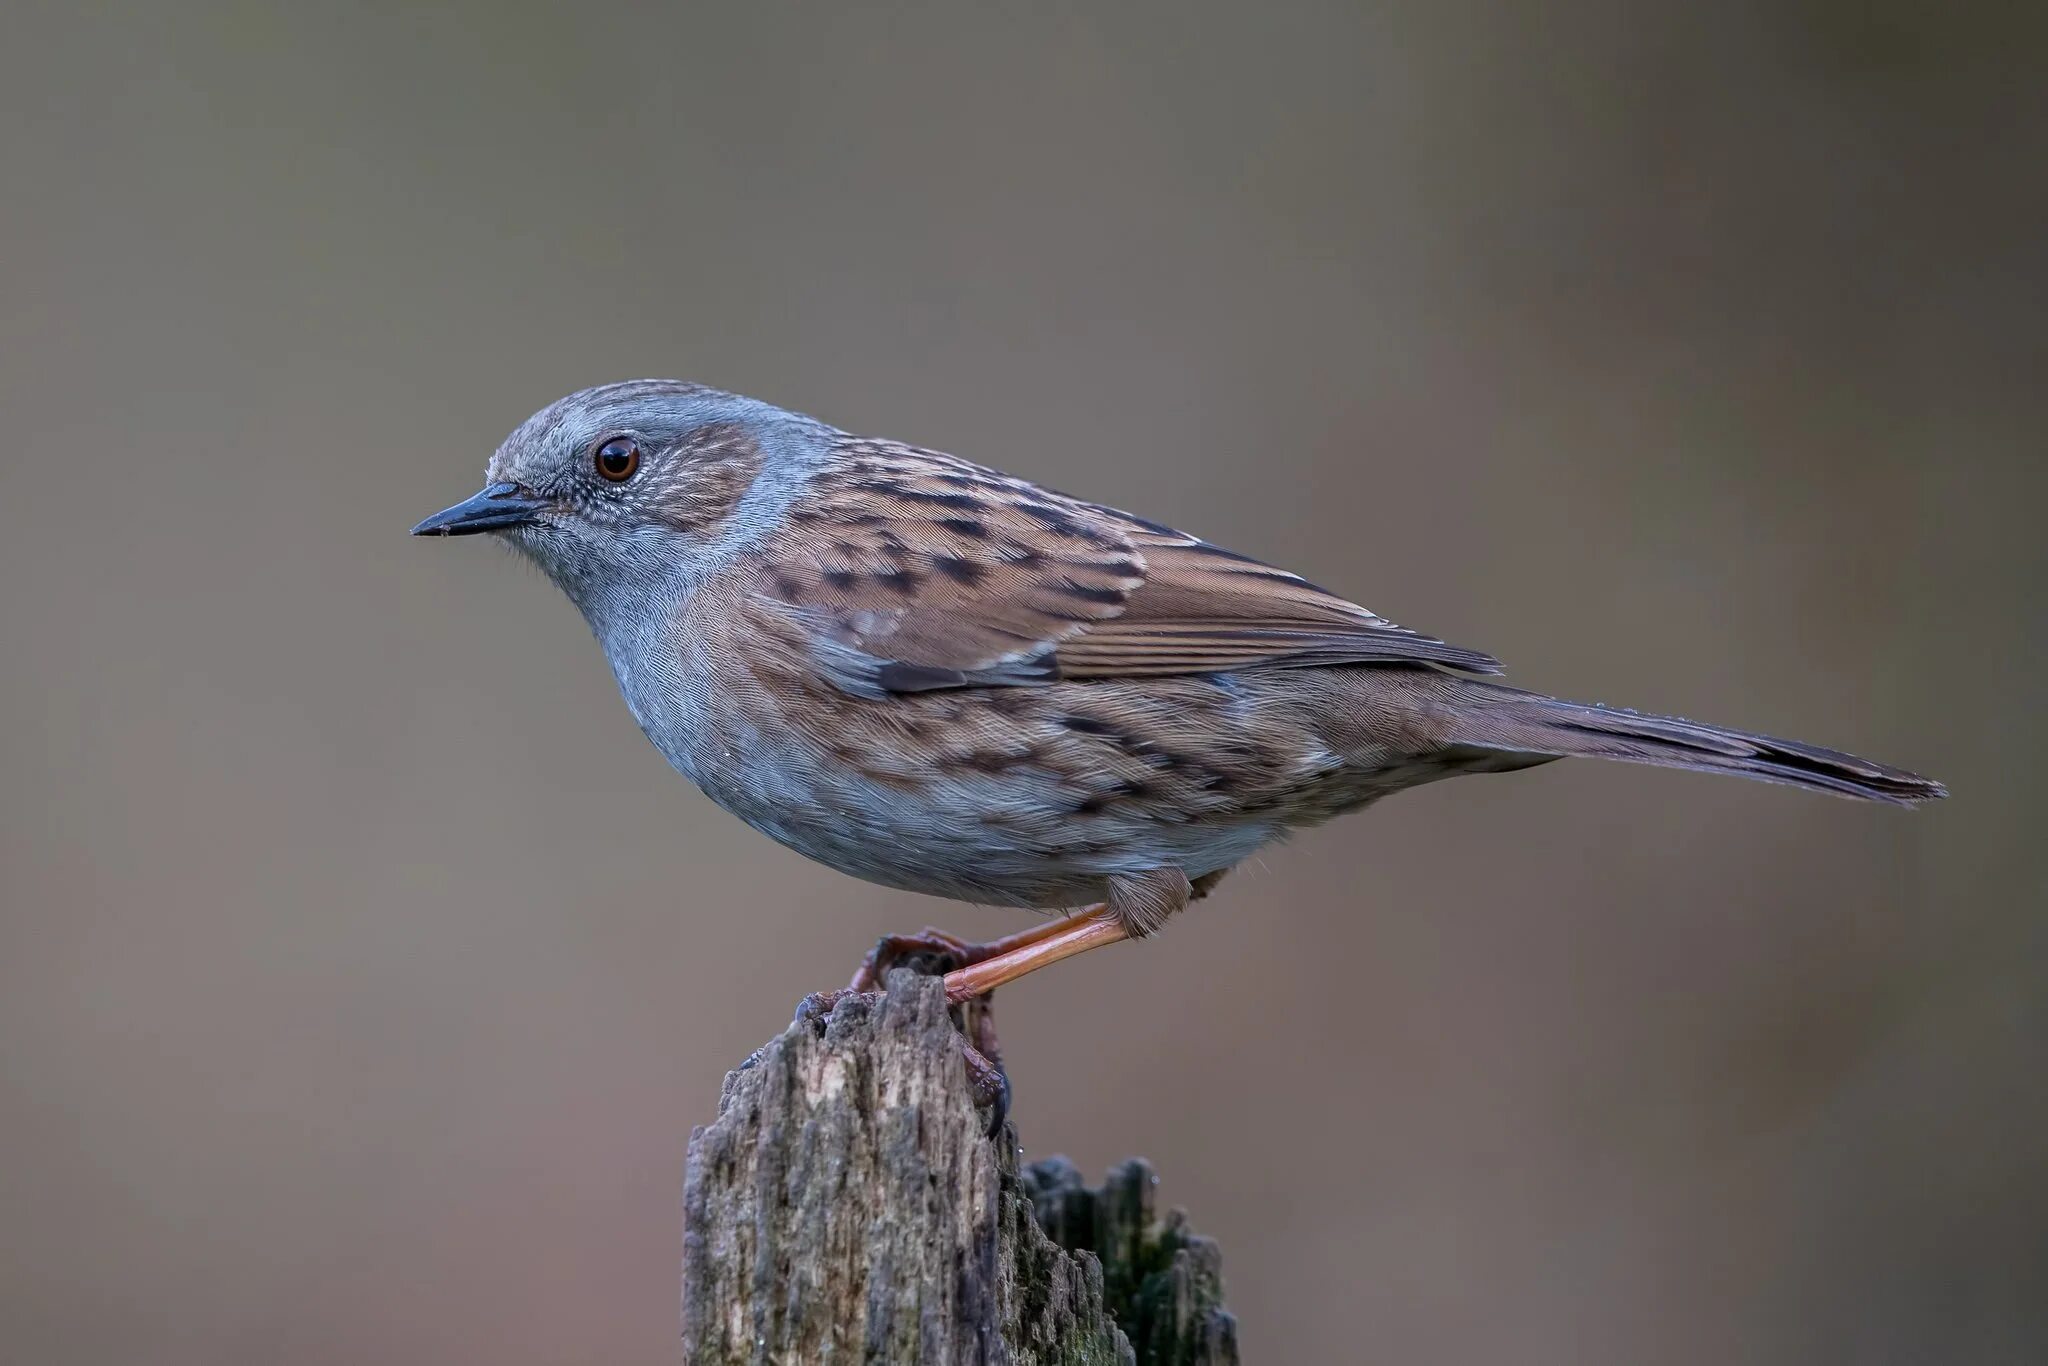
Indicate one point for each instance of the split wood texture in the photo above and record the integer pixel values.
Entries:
(847, 1205)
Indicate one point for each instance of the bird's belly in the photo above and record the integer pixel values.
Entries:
(971, 839)
(965, 840)
(1045, 823)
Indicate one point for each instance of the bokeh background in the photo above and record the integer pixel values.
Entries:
(362, 969)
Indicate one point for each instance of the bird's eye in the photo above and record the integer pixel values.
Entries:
(618, 459)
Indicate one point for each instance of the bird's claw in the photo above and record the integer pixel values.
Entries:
(989, 1084)
(813, 1008)
(931, 952)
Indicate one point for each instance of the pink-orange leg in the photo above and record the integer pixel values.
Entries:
(1035, 948)
(975, 970)
(893, 949)
(1137, 906)
(978, 970)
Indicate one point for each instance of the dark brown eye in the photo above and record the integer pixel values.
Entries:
(619, 459)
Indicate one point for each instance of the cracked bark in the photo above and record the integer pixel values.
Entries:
(847, 1206)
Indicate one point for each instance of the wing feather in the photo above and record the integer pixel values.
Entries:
(913, 570)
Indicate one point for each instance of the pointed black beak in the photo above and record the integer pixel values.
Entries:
(497, 507)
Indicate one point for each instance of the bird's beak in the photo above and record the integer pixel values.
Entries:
(497, 507)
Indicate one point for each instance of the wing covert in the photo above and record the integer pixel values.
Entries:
(911, 570)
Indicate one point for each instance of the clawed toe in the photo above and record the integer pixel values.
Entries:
(989, 1084)
(931, 951)
(973, 971)
(813, 1008)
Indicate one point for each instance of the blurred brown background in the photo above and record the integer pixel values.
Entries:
(362, 969)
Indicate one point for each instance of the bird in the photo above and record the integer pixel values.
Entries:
(945, 679)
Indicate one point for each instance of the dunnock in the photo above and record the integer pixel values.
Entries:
(940, 678)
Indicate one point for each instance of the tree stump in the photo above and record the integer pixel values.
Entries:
(848, 1205)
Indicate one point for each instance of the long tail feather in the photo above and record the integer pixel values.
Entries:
(1511, 720)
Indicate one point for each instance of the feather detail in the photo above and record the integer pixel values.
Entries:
(913, 571)
(1205, 609)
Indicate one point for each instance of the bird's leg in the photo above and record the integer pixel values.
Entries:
(1136, 907)
(1076, 934)
(948, 951)
(930, 951)
(934, 950)
(1143, 905)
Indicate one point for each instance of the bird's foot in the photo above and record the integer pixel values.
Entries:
(930, 951)
(813, 1008)
(934, 953)
(989, 1084)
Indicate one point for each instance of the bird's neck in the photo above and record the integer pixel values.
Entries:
(633, 615)
(659, 668)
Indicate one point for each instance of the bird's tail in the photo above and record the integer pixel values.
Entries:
(1510, 721)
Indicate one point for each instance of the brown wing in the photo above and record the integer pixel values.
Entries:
(914, 570)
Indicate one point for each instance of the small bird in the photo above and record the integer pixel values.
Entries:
(944, 679)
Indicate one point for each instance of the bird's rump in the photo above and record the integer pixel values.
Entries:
(915, 570)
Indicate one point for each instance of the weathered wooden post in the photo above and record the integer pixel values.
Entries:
(848, 1205)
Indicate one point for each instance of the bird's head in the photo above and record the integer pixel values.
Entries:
(627, 489)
